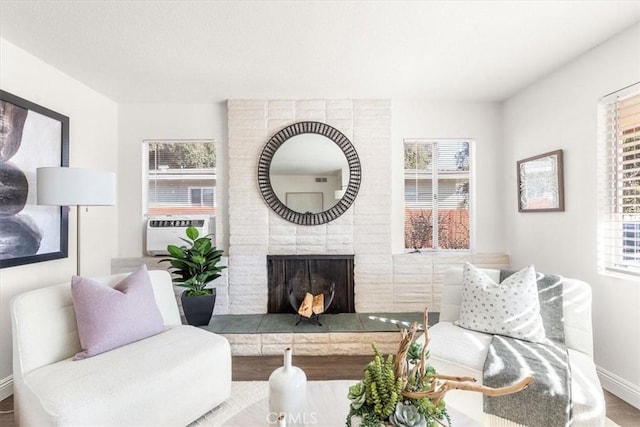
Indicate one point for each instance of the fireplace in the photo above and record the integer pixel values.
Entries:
(314, 274)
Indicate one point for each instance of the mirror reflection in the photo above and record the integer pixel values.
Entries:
(309, 173)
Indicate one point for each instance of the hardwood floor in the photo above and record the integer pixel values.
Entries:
(6, 413)
(318, 368)
(621, 412)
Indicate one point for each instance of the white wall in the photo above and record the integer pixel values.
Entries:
(93, 122)
(480, 121)
(410, 119)
(138, 122)
(560, 111)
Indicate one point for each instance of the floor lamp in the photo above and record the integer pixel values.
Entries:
(62, 186)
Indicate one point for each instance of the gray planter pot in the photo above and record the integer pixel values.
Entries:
(198, 310)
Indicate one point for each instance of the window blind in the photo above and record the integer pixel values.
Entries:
(181, 177)
(619, 183)
(436, 193)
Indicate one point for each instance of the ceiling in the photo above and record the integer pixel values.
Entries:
(209, 51)
(308, 154)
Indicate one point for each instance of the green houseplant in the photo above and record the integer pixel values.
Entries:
(193, 266)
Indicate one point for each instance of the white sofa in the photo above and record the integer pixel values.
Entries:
(462, 352)
(169, 379)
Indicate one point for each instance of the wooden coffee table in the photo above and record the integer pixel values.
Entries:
(327, 406)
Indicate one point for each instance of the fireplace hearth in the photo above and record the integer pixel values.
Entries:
(314, 274)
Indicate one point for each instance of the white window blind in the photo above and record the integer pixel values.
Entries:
(181, 177)
(437, 183)
(619, 183)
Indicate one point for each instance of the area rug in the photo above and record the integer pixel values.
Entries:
(254, 394)
(249, 403)
(243, 394)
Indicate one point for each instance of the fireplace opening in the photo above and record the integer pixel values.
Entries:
(313, 274)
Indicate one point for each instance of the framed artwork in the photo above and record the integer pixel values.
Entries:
(31, 136)
(540, 183)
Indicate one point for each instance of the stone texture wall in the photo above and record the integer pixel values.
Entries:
(418, 277)
(383, 282)
(312, 344)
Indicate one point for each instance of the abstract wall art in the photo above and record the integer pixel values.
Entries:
(31, 136)
(541, 183)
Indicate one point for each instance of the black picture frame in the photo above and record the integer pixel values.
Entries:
(31, 136)
(541, 183)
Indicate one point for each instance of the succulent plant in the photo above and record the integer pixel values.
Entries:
(415, 352)
(378, 399)
(407, 415)
(382, 388)
(357, 395)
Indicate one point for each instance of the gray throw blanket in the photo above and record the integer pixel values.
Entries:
(547, 400)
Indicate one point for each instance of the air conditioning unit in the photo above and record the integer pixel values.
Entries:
(168, 229)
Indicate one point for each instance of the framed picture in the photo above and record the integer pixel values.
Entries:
(540, 183)
(31, 136)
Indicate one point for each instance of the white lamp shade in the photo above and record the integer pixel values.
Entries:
(60, 186)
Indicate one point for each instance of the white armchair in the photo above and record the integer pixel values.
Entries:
(171, 378)
(462, 352)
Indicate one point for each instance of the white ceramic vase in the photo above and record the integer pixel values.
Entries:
(288, 392)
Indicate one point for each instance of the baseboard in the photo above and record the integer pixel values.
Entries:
(6, 387)
(622, 388)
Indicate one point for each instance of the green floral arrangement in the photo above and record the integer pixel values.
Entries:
(391, 392)
(405, 391)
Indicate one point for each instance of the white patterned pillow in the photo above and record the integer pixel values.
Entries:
(511, 308)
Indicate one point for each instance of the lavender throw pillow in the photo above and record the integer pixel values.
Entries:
(112, 317)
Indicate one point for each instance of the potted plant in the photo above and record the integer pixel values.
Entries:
(193, 267)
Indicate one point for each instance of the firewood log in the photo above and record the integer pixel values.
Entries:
(318, 304)
(305, 309)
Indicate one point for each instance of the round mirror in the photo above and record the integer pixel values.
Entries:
(309, 173)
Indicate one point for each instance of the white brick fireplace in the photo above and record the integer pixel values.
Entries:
(383, 282)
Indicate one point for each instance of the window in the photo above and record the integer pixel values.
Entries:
(181, 177)
(619, 183)
(437, 190)
(204, 196)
